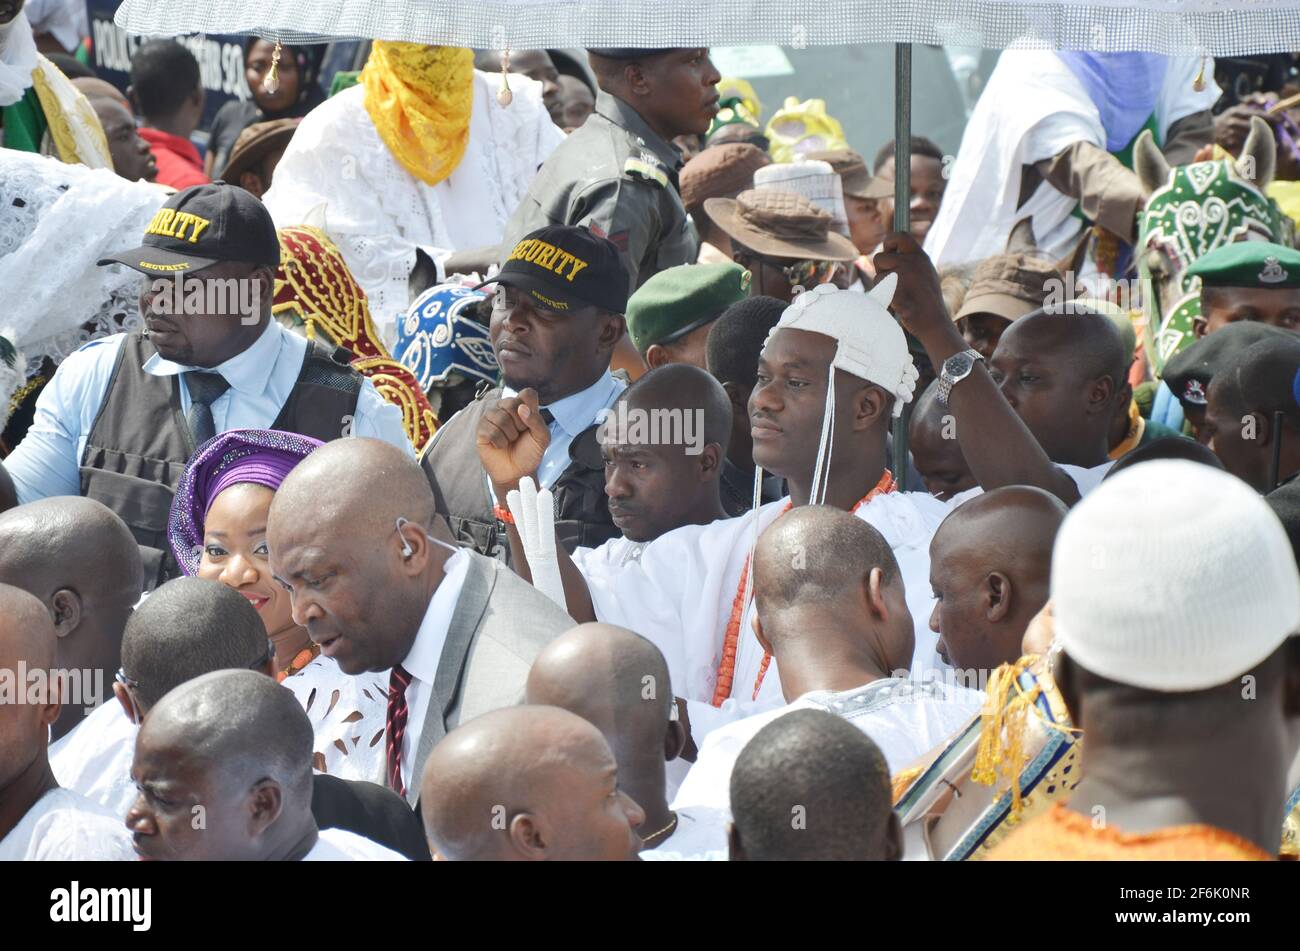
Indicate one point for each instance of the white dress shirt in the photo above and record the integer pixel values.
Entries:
(261, 378)
(422, 662)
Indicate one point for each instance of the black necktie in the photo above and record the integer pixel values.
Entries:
(547, 417)
(204, 388)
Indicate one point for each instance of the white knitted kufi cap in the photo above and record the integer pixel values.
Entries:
(870, 345)
(815, 180)
(1173, 576)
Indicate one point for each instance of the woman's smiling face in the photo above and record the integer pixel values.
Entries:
(234, 552)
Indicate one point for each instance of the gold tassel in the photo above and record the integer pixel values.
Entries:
(271, 84)
(1198, 83)
(1001, 753)
(504, 95)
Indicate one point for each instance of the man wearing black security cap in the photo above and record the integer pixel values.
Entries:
(556, 317)
(123, 414)
(617, 173)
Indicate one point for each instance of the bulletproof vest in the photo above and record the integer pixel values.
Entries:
(461, 494)
(139, 443)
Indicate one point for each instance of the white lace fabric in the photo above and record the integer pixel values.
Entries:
(348, 715)
(56, 221)
(379, 214)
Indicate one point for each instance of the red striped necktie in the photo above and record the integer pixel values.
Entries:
(396, 726)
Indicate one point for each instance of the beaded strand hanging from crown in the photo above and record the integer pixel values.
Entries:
(271, 84)
(504, 95)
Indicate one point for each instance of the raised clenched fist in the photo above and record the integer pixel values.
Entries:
(512, 438)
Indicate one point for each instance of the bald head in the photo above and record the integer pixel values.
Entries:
(1089, 337)
(1065, 375)
(237, 743)
(185, 629)
(990, 562)
(26, 633)
(615, 680)
(527, 782)
(71, 542)
(367, 483)
(935, 452)
(26, 644)
(816, 768)
(349, 534)
(243, 725)
(817, 554)
(664, 444)
(82, 562)
(685, 388)
(92, 87)
(826, 584)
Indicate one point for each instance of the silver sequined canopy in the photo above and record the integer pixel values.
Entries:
(1213, 27)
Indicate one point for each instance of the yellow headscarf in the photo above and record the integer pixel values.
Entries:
(420, 99)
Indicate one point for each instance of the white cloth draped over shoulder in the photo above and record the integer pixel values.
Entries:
(379, 214)
(347, 716)
(1033, 108)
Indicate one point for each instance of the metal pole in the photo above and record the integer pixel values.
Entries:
(902, 214)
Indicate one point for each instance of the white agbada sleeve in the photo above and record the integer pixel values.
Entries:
(1032, 108)
(679, 595)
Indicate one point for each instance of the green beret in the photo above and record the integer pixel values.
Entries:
(1189, 371)
(681, 299)
(1256, 264)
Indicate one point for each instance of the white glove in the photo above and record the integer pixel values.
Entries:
(534, 515)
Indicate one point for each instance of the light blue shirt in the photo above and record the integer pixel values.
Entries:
(572, 415)
(47, 461)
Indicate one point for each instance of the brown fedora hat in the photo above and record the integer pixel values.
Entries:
(254, 143)
(852, 169)
(780, 225)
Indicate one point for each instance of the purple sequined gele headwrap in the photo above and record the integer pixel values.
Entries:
(260, 456)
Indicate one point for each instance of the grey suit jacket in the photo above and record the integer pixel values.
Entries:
(500, 624)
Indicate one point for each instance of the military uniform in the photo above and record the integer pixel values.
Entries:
(616, 176)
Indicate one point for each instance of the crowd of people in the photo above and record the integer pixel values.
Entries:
(489, 461)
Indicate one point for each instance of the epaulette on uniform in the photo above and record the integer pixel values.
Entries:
(647, 169)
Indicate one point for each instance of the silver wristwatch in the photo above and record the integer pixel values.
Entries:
(955, 369)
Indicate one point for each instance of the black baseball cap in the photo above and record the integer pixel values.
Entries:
(201, 226)
(565, 267)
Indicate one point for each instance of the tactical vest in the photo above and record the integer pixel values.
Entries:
(461, 493)
(139, 443)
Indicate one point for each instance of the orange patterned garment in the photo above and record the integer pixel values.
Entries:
(1061, 834)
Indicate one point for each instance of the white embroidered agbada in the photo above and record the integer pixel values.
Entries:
(905, 719)
(379, 214)
(1032, 109)
(65, 827)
